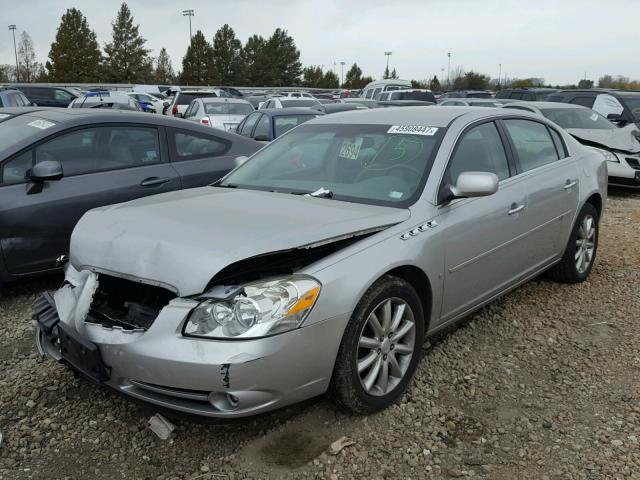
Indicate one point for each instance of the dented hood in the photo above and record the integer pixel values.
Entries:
(181, 239)
(622, 139)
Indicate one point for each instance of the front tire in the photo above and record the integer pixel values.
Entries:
(580, 252)
(380, 348)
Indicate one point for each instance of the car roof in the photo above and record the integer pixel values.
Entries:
(423, 115)
(223, 100)
(281, 112)
(555, 105)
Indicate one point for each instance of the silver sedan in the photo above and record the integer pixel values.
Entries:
(320, 264)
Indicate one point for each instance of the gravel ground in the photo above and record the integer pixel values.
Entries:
(542, 384)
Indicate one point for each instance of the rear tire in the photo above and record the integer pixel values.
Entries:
(580, 252)
(380, 349)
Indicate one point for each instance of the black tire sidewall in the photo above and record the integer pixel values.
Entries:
(388, 287)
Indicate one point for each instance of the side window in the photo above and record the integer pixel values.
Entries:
(532, 142)
(102, 148)
(249, 123)
(192, 146)
(583, 100)
(369, 93)
(479, 150)
(557, 140)
(516, 95)
(62, 95)
(13, 171)
(14, 100)
(263, 127)
(189, 112)
(377, 91)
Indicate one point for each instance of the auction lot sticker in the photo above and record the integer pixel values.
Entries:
(350, 150)
(41, 124)
(413, 130)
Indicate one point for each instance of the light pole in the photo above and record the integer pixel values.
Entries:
(341, 74)
(189, 13)
(13, 31)
(449, 70)
(499, 73)
(388, 54)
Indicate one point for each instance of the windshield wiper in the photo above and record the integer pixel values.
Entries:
(321, 193)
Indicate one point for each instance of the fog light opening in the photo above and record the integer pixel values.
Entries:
(233, 400)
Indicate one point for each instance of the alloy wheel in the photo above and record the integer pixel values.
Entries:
(585, 244)
(386, 346)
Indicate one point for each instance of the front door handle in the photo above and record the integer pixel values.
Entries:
(569, 185)
(515, 208)
(153, 181)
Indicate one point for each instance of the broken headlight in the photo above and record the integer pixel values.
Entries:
(260, 309)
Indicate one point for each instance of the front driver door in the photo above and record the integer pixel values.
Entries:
(484, 235)
(102, 165)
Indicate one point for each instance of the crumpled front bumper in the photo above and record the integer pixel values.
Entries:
(205, 377)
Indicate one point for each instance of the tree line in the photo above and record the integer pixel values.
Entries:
(75, 56)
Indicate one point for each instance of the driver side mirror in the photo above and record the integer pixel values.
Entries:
(472, 184)
(47, 171)
(261, 138)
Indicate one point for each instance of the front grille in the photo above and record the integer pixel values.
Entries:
(195, 395)
(126, 304)
(633, 163)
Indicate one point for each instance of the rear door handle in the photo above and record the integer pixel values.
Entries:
(569, 185)
(153, 181)
(515, 208)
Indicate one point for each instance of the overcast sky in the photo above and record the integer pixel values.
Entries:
(558, 40)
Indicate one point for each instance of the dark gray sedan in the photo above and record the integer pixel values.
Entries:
(57, 164)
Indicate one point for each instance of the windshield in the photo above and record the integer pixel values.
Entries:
(227, 108)
(376, 164)
(299, 103)
(581, 118)
(186, 98)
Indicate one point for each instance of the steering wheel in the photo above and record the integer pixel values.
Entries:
(412, 170)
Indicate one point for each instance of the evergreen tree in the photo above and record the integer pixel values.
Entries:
(74, 55)
(126, 58)
(227, 57)
(330, 80)
(313, 77)
(29, 70)
(386, 75)
(163, 73)
(197, 64)
(353, 77)
(435, 84)
(255, 60)
(394, 74)
(283, 59)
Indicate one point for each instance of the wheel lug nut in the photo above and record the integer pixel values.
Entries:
(392, 346)
(384, 357)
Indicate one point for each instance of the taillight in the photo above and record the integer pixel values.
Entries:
(204, 121)
(174, 110)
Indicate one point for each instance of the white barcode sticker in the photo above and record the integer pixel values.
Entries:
(413, 130)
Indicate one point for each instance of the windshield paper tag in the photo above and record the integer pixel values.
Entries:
(413, 130)
(594, 117)
(41, 124)
(350, 150)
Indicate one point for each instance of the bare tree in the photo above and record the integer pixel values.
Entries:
(29, 69)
